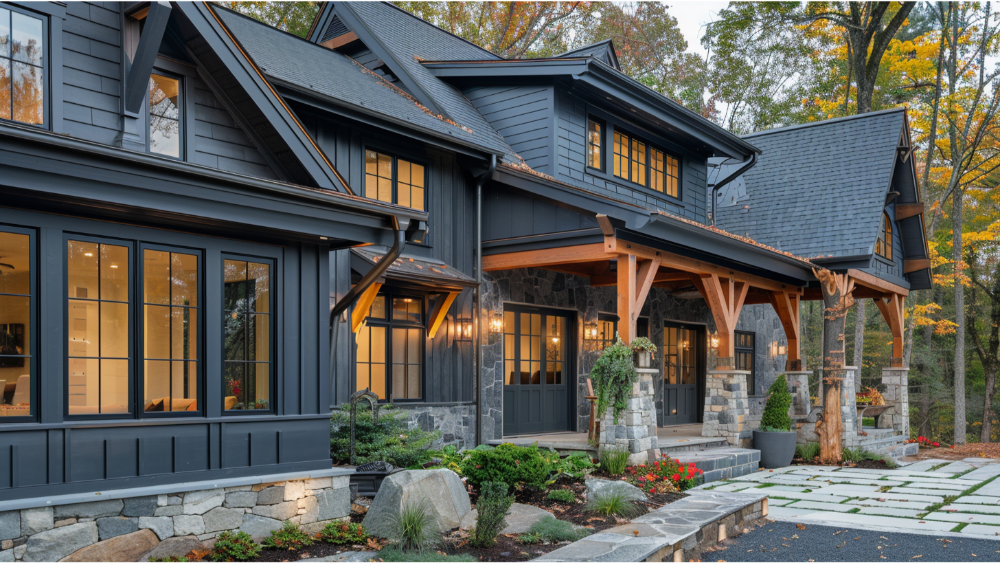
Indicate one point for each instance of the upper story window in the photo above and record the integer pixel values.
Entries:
(595, 142)
(664, 173)
(883, 247)
(22, 67)
(164, 115)
(630, 158)
(394, 180)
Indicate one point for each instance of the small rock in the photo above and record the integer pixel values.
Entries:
(294, 490)
(10, 524)
(64, 522)
(162, 526)
(189, 525)
(35, 520)
(94, 509)
(129, 547)
(271, 495)
(169, 510)
(258, 526)
(7, 556)
(220, 518)
(140, 506)
(333, 503)
(282, 511)
(200, 502)
(7, 544)
(520, 518)
(505, 554)
(175, 547)
(19, 551)
(241, 499)
(115, 526)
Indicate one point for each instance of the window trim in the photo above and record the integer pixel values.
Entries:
(272, 408)
(752, 377)
(132, 319)
(885, 230)
(32, 331)
(395, 156)
(182, 107)
(47, 62)
(140, 369)
(601, 146)
(389, 293)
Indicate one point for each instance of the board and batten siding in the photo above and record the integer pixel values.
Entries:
(523, 115)
(219, 140)
(91, 44)
(509, 213)
(571, 167)
(448, 375)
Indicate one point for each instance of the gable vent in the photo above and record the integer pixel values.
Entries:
(335, 29)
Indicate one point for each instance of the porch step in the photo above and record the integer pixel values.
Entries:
(722, 462)
(886, 441)
(671, 447)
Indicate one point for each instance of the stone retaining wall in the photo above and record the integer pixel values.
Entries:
(128, 529)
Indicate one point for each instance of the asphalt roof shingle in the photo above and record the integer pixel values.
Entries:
(817, 190)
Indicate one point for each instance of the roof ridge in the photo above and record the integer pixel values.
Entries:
(441, 29)
(824, 122)
(581, 48)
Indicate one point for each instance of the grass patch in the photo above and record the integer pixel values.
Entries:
(938, 466)
(854, 510)
(394, 554)
(562, 495)
(959, 475)
(938, 506)
(960, 527)
(550, 529)
(765, 485)
(885, 489)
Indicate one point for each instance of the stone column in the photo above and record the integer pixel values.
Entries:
(798, 386)
(896, 381)
(849, 409)
(727, 406)
(636, 428)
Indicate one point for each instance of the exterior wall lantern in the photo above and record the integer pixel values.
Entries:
(464, 328)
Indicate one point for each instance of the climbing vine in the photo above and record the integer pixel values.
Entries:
(613, 376)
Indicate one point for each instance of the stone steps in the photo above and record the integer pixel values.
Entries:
(722, 462)
(885, 441)
(673, 447)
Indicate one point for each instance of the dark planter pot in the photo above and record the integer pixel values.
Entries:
(776, 448)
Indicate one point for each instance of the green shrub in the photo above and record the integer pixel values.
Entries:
(614, 460)
(289, 537)
(612, 503)
(508, 464)
(394, 554)
(391, 440)
(775, 418)
(170, 559)
(613, 375)
(414, 528)
(552, 530)
(528, 539)
(343, 533)
(576, 465)
(234, 546)
(807, 451)
(562, 495)
(491, 508)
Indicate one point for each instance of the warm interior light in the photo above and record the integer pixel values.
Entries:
(407, 301)
(714, 341)
(114, 266)
(555, 340)
(88, 254)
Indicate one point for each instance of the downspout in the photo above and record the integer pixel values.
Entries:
(347, 300)
(477, 353)
(716, 187)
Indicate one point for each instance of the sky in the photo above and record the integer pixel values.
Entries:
(692, 15)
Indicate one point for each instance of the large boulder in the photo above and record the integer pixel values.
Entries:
(600, 487)
(441, 490)
(129, 547)
(53, 545)
(178, 546)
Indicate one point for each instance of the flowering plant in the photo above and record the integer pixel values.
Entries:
(925, 442)
(663, 476)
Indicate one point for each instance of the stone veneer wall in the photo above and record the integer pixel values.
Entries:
(566, 291)
(457, 423)
(168, 524)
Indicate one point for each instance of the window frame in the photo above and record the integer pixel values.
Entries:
(182, 103)
(32, 331)
(140, 381)
(389, 322)
(272, 326)
(649, 148)
(884, 238)
(131, 414)
(47, 62)
(752, 376)
(601, 146)
(395, 156)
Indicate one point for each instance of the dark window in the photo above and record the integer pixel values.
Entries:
(248, 342)
(16, 313)
(165, 115)
(598, 336)
(394, 180)
(391, 348)
(22, 66)
(746, 357)
(534, 344)
(663, 173)
(595, 141)
(883, 247)
(680, 350)
(170, 331)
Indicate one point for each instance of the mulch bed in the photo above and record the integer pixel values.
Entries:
(866, 464)
(319, 549)
(576, 512)
(990, 450)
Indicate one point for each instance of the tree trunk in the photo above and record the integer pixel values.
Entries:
(956, 254)
(859, 341)
(837, 300)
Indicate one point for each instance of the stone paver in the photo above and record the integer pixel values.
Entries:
(801, 496)
(918, 506)
(984, 472)
(938, 486)
(955, 467)
(979, 499)
(959, 517)
(889, 511)
(977, 530)
(812, 505)
(773, 502)
(977, 508)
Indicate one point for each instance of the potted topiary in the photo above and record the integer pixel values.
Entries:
(644, 349)
(775, 438)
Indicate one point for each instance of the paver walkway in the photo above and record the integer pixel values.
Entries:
(929, 496)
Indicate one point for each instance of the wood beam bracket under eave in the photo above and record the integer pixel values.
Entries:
(137, 80)
(787, 306)
(363, 305)
(725, 297)
(439, 311)
(893, 312)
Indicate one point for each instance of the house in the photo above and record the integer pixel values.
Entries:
(213, 232)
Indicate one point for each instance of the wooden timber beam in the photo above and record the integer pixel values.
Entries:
(892, 311)
(725, 297)
(599, 280)
(546, 257)
(916, 264)
(787, 307)
(668, 260)
(867, 280)
(439, 311)
(633, 288)
(362, 306)
(907, 210)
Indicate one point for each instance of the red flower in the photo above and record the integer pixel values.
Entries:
(677, 477)
(650, 477)
(953, 446)
(936, 444)
(517, 462)
(656, 463)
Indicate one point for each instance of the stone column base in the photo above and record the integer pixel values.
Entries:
(798, 386)
(896, 381)
(727, 407)
(635, 430)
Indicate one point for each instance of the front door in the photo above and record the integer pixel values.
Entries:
(683, 361)
(536, 351)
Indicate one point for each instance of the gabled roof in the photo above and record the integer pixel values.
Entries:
(291, 61)
(602, 50)
(818, 190)
(402, 40)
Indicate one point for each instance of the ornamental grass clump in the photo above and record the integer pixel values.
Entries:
(613, 376)
(612, 503)
(234, 546)
(491, 509)
(414, 528)
(562, 495)
(775, 417)
(613, 460)
(289, 537)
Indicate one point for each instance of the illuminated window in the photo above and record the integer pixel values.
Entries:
(595, 140)
(535, 349)
(883, 246)
(165, 116)
(390, 352)
(746, 357)
(22, 67)
(17, 366)
(170, 332)
(394, 180)
(247, 335)
(680, 350)
(663, 173)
